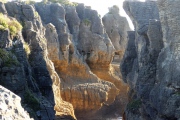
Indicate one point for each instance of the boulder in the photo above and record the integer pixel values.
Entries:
(10, 106)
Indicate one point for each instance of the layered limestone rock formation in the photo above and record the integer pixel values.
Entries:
(150, 64)
(34, 77)
(116, 27)
(75, 55)
(10, 106)
(68, 67)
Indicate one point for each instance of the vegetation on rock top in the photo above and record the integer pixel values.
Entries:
(27, 48)
(13, 25)
(64, 2)
(3, 1)
(87, 22)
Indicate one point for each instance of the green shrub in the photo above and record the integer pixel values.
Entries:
(13, 30)
(87, 22)
(3, 21)
(8, 58)
(177, 93)
(30, 2)
(31, 101)
(27, 48)
(74, 4)
(13, 25)
(36, 14)
(134, 105)
(2, 27)
(64, 2)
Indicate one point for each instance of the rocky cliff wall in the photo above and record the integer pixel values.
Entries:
(150, 61)
(78, 82)
(116, 27)
(69, 60)
(33, 77)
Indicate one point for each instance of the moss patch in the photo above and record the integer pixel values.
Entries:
(64, 2)
(31, 101)
(134, 105)
(30, 2)
(87, 22)
(8, 58)
(177, 93)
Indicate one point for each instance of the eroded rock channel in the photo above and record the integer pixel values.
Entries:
(66, 62)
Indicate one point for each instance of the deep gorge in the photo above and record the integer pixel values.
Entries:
(66, 62)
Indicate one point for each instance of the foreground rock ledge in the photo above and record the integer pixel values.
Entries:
(10, 106)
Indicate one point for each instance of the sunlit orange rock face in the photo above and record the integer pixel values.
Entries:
(79, 86)
(68, 68)
(82, 52)
(84, 89)
(61, 107)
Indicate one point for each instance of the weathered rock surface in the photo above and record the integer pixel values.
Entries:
(2, 8)
(116, 27)
(150, 62)
(78, 82)
(80, 49)
(70, 60)
(167, 100)
(93, 44)
(33, 34)
(10, 106)
(34, 77)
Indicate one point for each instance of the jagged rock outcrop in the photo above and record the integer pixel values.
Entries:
(69, 60)
(116, 27)
(148, 60)
(165, 95)
(94, 43)
(139, 62)
(10, 106)
(62, 108)
(33, 34)
(79, 84)
(33, 77)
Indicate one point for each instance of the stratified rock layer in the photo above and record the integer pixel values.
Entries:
(78, 82)
(80, 49)
(69, 60)
(150, 63)
(116, 27)
(34, 77)
(165, 95)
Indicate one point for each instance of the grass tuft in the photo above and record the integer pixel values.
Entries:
(8, 58)
(87, 22)
(27, 48)
(13, 25)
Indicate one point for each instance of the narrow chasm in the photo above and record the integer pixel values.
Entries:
(61, 60)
